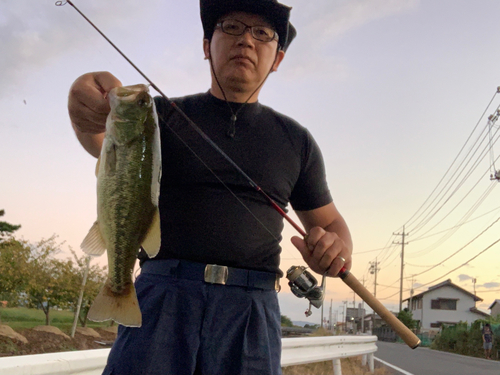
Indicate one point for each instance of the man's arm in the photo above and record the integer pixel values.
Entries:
(328, 238)
(88, 108)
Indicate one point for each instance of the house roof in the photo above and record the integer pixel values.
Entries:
(446, 283)
(493, 304)
(475, 310)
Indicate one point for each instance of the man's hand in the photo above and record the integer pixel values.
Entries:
(88, 106)
(323, 250)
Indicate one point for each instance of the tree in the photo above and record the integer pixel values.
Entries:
(406, 317)
(6, 228)
(286, 321)
(14, 256)
(34, 271)
(51, 281)
(13, 270)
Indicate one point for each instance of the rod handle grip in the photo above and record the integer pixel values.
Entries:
(406, 334)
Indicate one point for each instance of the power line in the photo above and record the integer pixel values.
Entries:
(474, 167)
(456, 226)
(410, 222)
(464, 264)
(459, 250)
(464, 218)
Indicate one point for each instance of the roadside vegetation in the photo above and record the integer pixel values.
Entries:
(34, 277)
(467, 340)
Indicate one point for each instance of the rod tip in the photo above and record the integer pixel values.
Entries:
(416, 346)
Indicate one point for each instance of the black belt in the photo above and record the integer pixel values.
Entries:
(212, 273)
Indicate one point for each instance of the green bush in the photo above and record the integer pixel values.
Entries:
(461, 339)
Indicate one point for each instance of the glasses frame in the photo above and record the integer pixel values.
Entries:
(252, 30)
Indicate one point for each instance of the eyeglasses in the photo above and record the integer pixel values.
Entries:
(237, 28)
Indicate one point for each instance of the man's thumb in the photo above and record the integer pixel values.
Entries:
(301, 245)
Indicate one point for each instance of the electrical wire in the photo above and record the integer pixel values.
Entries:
(412, 219)
(458, 225)
(483, 154)
(464, 218)
(464, 264)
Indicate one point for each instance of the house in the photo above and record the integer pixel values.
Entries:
(444, 304)
(495, 308)
(373, 321)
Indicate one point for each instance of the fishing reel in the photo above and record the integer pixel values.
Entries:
(304, 284)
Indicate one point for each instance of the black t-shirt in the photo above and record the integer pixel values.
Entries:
(201, 220)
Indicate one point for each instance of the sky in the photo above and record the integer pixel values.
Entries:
(394, 92)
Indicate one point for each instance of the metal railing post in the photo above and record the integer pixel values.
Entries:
(337, 367)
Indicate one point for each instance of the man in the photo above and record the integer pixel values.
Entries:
(194, 322)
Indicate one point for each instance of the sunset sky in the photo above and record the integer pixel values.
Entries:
(392, 90)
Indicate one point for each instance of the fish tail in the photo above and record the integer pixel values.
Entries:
(123, 308)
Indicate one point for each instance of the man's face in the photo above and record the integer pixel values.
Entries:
(241, 63)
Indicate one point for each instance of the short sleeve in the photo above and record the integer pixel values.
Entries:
(311, 189)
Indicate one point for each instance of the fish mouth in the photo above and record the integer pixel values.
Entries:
(130, 93)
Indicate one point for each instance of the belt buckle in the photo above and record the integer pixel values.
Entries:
(215, 274)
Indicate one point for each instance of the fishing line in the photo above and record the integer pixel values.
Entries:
(197, 129)
(346, 276)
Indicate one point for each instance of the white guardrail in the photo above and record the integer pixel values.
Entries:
(295, 351)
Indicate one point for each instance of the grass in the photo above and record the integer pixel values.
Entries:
(22, 318)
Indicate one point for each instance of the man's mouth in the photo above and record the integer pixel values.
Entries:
(242, 58)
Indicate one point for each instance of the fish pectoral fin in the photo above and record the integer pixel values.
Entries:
(122, 308)
(93, 243)
(97, 166)
(152, 241)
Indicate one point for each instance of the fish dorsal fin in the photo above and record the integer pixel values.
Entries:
(152, 241)
(97, 166)
(93, 243)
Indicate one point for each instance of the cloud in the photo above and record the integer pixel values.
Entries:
(335, 19)
(33, 34)
(490, 285)
(463, 277)
(322, 25)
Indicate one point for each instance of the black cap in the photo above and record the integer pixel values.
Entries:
(278, 14)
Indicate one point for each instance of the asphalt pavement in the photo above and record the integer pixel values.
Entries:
(424, 361)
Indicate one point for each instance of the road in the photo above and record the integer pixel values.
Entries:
(424, 361)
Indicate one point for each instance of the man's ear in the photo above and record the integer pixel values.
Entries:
(280, 55)
(206, 48)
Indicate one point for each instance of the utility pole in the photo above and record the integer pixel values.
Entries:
(322, 315)
(330, 316)
(373, 271)
(474, 280)
(411, 294)
(363, 311)
(402, 243)
(345, 315)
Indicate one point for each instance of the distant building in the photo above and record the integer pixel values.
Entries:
(354, 316)
(495, 308)
(444, 304)
(373, 321)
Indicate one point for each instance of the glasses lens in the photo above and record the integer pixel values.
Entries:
(262, 33)
(233, 27)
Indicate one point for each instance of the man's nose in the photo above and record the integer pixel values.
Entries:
(247, 36)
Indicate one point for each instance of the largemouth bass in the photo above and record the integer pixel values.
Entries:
(128, 183)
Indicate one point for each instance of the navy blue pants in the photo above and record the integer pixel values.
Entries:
(190, 327)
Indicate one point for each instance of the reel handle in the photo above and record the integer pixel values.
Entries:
(406, 334)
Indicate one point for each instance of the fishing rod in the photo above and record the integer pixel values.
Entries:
(302, 282)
